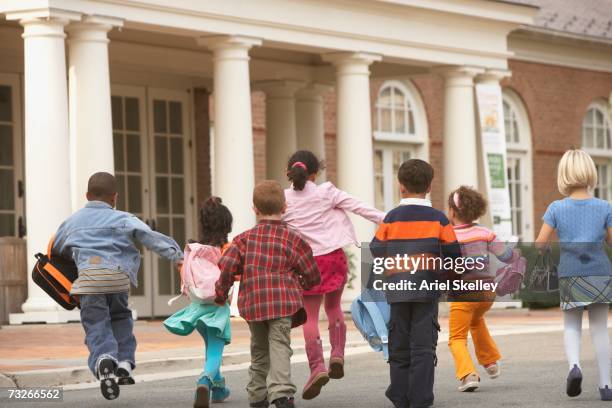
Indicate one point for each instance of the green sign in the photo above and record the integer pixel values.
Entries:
(497, 171)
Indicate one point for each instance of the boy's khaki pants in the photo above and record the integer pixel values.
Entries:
(468, 317)
(270, 371)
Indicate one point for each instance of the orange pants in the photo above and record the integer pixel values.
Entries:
(469, 317)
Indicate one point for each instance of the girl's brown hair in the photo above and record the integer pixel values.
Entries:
(472, 204)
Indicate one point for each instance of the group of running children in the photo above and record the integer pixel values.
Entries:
(292, 260)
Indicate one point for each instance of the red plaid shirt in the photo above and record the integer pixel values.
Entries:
(275, 264)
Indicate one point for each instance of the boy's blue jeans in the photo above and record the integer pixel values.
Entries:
(108, 325)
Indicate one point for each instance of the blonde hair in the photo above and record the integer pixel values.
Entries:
(576, 169)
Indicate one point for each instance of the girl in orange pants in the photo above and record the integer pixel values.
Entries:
(465, 206)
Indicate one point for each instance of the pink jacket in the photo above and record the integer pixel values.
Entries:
(319, 214)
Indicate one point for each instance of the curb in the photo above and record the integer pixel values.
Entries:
(56, 377)
(6, 381)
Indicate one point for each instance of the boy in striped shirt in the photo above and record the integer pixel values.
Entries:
(421, 232)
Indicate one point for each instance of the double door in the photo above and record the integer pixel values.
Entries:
(153, 165)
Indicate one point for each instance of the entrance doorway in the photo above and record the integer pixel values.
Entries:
(153, 165)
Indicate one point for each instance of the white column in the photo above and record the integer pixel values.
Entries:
(91, 126)
(280, 126)
(46, 149)
(460, 139)
(354, 131)
(234, 165)
(355, 162)
(310, 121)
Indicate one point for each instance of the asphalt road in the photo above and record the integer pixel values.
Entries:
(533, 375)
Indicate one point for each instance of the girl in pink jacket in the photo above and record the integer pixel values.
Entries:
(319, 213)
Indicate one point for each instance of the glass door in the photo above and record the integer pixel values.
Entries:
(172, 200)
(387, 160)
(152, 165)
(131, 155)
(519, 188)
(12, 221)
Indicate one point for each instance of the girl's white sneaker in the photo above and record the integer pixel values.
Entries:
(493, 370)
(469, 383)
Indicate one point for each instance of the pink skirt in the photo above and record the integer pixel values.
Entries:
(334, 272)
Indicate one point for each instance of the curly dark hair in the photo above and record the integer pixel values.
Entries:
(298, 175)
(472, 204)
(215, 222)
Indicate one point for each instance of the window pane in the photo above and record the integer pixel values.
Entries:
(121, 198)
(132, 118)
(599, 137)
(161, 187)
(379, 198)
(119, 153)
(599, 117)
(176, 118)
(7, 187)
(385, 120)
(515, 130)
(135, 194)
(176, 155)
(159, 116)
(6, 105)
(587, 136)
(178, 196)
(411, 122)
(161, 154)
(164, 277)
(7, 225)
(163, 225)
(399, 100)
(178, 231)
(117, 112)
(400, 124)
(384, 100)
(133, 152)
(6, 145)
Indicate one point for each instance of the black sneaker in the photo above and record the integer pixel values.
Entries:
(106, 375)
(284, 402)
(574, 382)
(260, 404)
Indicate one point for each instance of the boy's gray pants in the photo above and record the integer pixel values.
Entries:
(108, 325)
(270, 371)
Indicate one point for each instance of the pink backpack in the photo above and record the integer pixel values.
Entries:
(510, 276)
(200, 272)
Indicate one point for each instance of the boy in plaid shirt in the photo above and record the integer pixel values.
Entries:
(274, 264)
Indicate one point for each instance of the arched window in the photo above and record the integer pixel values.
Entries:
(597, 141)
(400, 133)
(518, 163)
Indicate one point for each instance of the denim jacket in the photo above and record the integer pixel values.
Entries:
(100, 237)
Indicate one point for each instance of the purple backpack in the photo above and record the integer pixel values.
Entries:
(510, 276)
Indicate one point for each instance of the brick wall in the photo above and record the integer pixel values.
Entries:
(556, 99)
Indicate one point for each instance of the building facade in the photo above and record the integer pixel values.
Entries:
(184, 99)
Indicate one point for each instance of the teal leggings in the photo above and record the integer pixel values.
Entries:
(214, 353)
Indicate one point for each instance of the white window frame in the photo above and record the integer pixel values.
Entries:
(416, 143)
(412, 103)
(601, 156)
(522, 151)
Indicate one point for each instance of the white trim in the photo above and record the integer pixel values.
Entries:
(523, 152)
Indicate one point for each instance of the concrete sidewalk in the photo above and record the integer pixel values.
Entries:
(47, 355)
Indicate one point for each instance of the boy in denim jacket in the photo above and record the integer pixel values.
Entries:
(101, 241)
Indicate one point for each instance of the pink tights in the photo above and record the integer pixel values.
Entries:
(312, 304)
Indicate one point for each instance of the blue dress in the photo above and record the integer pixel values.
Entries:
(585, 270)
